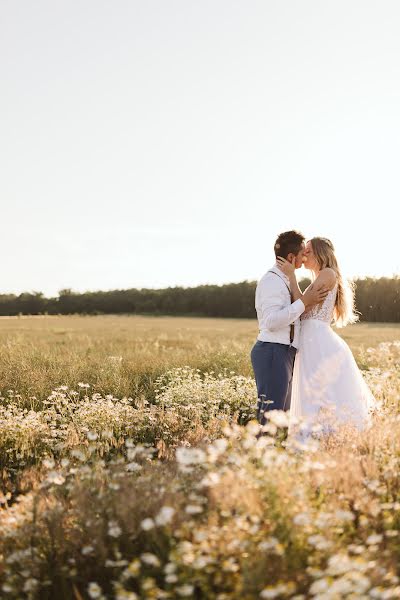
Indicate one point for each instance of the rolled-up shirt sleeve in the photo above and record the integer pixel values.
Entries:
(276, 316)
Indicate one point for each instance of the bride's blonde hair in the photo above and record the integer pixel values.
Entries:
(344, 312)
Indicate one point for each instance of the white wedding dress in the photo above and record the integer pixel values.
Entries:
(328, 388)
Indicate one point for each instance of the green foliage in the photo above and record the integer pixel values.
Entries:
(377, 300)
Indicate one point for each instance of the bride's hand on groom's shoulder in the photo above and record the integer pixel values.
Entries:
(287, 267)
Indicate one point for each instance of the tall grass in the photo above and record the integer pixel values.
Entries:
(124, 356)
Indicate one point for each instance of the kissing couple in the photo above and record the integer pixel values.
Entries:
(300, 364)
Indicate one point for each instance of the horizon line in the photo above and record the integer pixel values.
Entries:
(171, 286)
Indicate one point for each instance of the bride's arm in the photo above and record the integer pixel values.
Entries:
(294, 285)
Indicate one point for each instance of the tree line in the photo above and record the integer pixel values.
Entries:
(377, 300)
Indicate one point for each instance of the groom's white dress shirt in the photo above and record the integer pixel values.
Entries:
(275, 310)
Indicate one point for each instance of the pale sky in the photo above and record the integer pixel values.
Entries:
(156, 143)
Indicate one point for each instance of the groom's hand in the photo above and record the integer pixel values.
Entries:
(314, 295)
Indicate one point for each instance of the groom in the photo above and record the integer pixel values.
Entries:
(274, 352)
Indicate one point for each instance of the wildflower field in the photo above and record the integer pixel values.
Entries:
(131, 468)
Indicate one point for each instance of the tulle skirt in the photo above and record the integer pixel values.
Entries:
(328, 388)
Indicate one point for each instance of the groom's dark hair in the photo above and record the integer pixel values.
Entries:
(288, 242)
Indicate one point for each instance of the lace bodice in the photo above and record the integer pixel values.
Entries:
(323, 312)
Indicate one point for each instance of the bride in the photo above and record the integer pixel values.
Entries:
(328, 388)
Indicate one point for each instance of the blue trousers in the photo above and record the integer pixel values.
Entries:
(273, 369)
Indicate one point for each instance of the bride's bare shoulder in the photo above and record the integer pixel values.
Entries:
(327, 277)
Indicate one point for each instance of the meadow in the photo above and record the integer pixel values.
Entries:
(130, 468)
